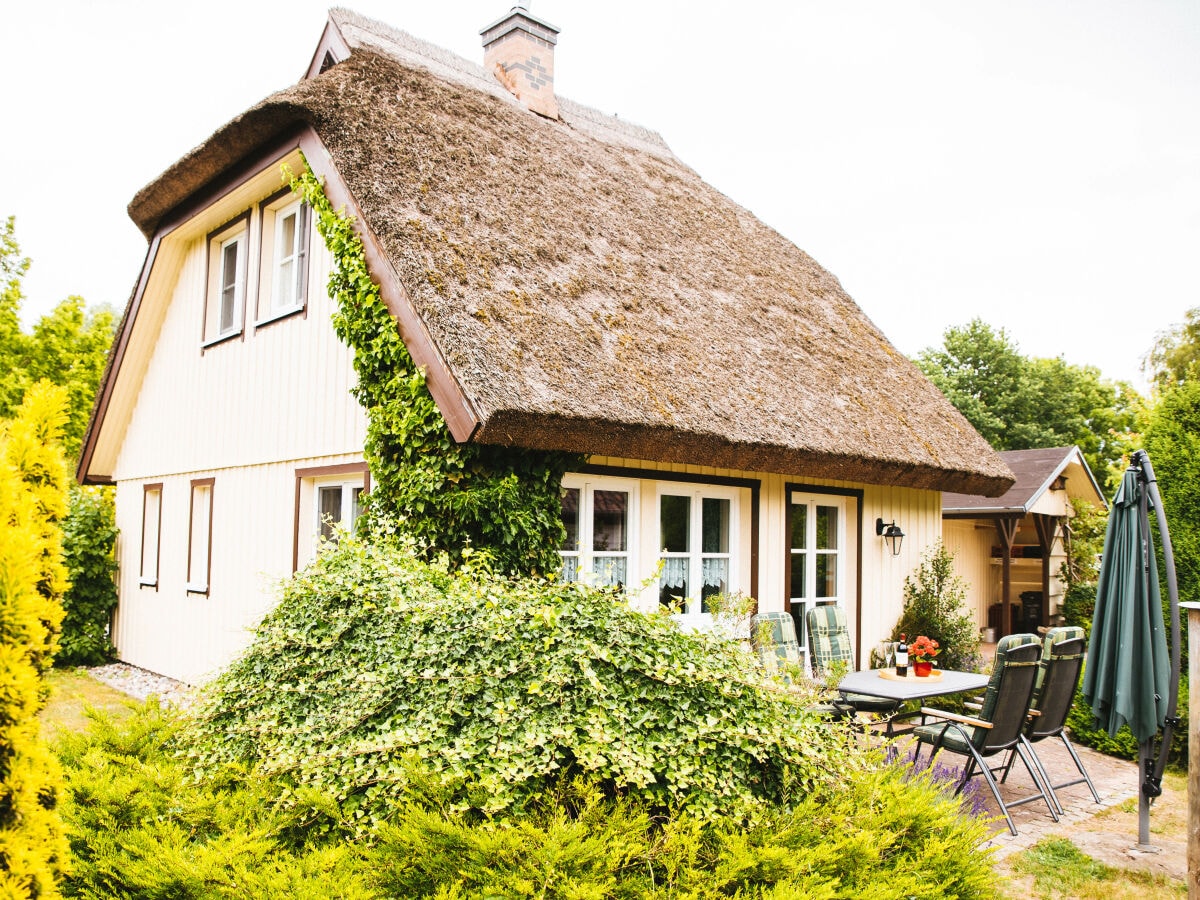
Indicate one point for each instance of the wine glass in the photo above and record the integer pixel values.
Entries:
(887, 653)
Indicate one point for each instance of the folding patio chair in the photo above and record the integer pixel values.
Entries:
(829, 643)
(1057, 680)
(999, 725)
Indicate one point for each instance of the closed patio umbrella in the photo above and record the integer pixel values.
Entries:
(1130, 679)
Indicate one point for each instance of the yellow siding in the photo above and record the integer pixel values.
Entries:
(971, 543)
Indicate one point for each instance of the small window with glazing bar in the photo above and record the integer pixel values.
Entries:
(228, 264)
(283, 270)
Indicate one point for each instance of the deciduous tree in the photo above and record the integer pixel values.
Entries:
(1019, 403)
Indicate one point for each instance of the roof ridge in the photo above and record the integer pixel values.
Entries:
(363, 31)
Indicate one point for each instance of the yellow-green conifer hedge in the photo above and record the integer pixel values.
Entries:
(33, 500)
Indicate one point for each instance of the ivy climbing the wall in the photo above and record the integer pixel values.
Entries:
(449, 496)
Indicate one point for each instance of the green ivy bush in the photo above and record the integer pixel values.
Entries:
(1079, 605)
(451, 497)
(499, 685)
(935, 606)
(89, 551)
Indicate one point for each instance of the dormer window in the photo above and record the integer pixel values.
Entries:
(228, 258)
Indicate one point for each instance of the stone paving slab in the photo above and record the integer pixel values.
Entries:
(1116, 780)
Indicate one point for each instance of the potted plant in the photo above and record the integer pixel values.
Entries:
(922, 652)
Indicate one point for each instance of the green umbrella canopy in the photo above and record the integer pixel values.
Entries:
(1127, 666)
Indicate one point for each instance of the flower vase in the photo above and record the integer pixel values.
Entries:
(923, 669)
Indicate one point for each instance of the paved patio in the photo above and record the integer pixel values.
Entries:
(1116, 780)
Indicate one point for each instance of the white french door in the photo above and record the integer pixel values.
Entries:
(817, 555)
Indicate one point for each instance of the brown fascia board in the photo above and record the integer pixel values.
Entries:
(460, 414)
(457, 409)
(331, 43)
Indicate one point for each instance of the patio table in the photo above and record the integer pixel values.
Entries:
(872, 683)
(875, 685)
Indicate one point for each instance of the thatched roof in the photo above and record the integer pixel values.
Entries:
(1036, 472)
(589, 292)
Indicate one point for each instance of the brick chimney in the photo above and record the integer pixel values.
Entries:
(519, 50)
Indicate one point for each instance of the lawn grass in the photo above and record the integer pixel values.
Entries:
(1060, 869)
(72, 693)
(1057, 867)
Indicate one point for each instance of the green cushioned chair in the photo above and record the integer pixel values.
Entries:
(773, 635)
(999, 727)
(1057, 679)
(829, 643)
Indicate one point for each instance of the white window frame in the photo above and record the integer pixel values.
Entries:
(151, 549)
(346, 517)
(233, 234)
(274, 302)
(692, 613)
(584, 553)
(811, 551)
(199, 546)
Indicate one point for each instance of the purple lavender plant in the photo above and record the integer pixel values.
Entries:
(945, 776)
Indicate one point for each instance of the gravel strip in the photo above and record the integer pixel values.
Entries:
(140, 684)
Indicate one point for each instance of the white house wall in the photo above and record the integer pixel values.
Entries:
(247, 413)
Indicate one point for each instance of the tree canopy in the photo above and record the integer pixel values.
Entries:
(1175, 356)
(1018, 402)
(68, 346)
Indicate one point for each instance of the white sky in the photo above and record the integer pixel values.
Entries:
(1035, 163)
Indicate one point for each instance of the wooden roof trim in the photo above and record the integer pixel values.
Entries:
(111, 369)
(456, 407)
(332, 44)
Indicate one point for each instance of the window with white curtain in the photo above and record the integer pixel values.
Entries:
(598, 515)
(697, 528)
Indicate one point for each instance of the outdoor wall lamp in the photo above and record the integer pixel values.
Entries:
(892, 536)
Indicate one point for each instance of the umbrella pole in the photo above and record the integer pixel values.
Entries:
(1150, 770)
(1145, 763)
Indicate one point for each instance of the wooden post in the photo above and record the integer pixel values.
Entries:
(1006, 530)
(1193, 851)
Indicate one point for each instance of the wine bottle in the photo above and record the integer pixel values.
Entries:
(902, 658)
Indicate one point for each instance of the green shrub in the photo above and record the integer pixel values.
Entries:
(141, 826)
(880, 833)
(935, 606)
(1123, 744)
(1079, 605)
(502, 685)
(89, 546)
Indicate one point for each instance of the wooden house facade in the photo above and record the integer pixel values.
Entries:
(567, 284)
